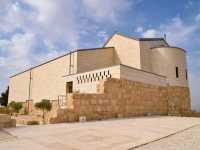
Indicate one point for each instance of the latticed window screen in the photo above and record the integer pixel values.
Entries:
(93, 77)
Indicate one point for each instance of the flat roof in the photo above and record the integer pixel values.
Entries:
(87, 49)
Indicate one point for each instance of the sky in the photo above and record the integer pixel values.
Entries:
(34, 31)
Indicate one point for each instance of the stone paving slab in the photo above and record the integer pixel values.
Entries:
(5, 136)
(187, 140)
(107, 135)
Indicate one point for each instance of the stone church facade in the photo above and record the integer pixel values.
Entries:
(126, 77)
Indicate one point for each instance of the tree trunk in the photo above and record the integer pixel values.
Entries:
(43, 117)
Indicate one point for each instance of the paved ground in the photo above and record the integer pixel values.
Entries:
(187, 140)
(107, 135)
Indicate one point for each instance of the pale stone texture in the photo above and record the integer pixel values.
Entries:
(146, 52)
(179, 100)
(46, 80)
(87, 82)
(124, 48)
(187, 140)
(164, 62)
(6, 121)
(120, 134)
(125, 98)
(95, 59)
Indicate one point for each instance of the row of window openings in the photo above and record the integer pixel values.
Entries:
(93, 77)
(177, 73)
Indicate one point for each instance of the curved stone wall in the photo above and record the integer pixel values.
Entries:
(165, 60)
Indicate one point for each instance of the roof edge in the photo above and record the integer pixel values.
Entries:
(134, 38)
(116, 66)
(78, 50)
(170, 47)
(143, 70)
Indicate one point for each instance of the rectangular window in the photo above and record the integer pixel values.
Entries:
(177, 75)
(186, 74)
(69, 87)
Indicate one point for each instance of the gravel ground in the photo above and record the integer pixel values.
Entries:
(186, 140)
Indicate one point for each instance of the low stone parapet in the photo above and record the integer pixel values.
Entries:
(6, 121)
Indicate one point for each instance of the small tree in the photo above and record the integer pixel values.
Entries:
(45, 105)
(4, 97)
(15, 106)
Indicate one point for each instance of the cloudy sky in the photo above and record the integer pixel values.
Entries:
(33, 31)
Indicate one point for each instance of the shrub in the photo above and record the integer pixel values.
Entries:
(45, 105)
(33, 122)
(16, 106)
(4, 97)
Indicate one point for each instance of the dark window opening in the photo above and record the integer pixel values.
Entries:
(186, 74)
(177, 73)
(69, 87)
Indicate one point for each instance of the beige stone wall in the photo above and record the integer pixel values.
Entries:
(145, 48)
(6, 121)
(164, 62)
(95, 59)
(87, 82)
(179, 101)
(19, 87)
(47, 80)
(119, 98)
(133, 74)
(127, 51)
(125, 98)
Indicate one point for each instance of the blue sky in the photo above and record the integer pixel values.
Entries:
(33, 31)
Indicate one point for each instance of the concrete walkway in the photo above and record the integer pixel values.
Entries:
(101, 135)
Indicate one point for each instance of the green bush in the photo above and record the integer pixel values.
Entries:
(45, 105)
(16, 106)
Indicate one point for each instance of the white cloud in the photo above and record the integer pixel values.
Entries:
(106, 10)
(103, 36)
(197, 18)
(189, 4)
(177, 31)
(151, 33)
(56, 21)
(4, 4)
(12, 18)
(139, 29)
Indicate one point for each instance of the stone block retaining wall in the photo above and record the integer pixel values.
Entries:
(124, 98)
